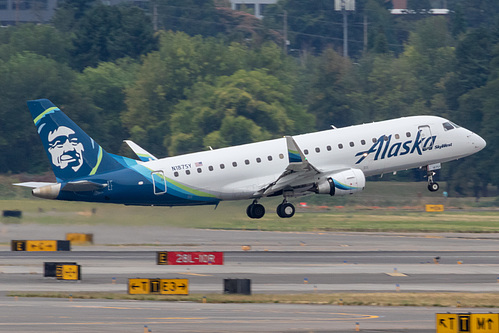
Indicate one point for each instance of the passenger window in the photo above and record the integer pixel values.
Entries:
(352, 144)
(447, 126)
(397, 136)
(175, 174)
(234, 164)
(305, 151)
(281, 156)
(408, 134)
(269, 158)
(340, 146)
(328, 148)
(210, 168)
(385, 137)
(362, 142)
(317, 150)
(375, 140)
(246, 162)
(187, 172)
(199, 170)
(222, 166)
(258, 160)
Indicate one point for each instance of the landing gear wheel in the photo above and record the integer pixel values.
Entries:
(255, 211)
(433, 187)
(285, 210)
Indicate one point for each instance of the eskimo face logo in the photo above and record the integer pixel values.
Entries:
(65, 148)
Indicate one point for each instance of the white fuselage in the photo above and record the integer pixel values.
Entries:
(238, 172)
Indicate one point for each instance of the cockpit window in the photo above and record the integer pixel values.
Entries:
(456, 126)
(448, 126)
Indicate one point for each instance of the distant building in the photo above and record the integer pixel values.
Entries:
(255, 7)
(41, 11)
(18, 11)
(438, 7)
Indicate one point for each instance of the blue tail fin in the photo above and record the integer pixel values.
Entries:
(71, 152)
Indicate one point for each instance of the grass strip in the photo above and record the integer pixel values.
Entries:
(466, 300)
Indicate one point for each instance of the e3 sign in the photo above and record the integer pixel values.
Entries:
(158, 286)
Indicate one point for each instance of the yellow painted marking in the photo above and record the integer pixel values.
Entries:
(41, 115)
(396, 274)
(99, 159)
(195, 274)
(178, 318)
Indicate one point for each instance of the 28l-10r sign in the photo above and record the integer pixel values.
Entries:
(190, 258)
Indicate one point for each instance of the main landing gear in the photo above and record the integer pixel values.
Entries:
(257, 211)
(432, 185)
(286, 209)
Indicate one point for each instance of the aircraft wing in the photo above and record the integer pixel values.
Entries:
(299, 172)
(143, 154)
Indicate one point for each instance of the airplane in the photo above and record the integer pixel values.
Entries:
(331, 162)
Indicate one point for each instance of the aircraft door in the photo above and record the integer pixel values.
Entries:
(426, 137)
(424, 131)
(158, 182)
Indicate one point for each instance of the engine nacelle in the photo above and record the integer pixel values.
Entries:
(47, 192)
(341, 183)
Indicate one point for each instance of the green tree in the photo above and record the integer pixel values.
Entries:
(429, 56)
(194, 17)
(27, 76)
(98, 100)
(471, 70)
(40, 39)
(106, 33)
(244, 107)
(69, 13)
(328, 99)
(167, 75)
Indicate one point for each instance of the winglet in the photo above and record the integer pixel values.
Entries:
(294, 152)
(143, 154)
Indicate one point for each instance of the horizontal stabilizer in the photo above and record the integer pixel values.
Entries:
(34, 184)
(143, 154)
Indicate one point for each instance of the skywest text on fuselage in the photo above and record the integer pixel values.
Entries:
(398, 148)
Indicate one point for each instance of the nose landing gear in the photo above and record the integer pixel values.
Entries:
(432, 185)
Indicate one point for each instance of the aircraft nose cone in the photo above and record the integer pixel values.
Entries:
(478, 142)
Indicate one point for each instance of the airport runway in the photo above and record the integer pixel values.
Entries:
(278, 263)
(61, 315)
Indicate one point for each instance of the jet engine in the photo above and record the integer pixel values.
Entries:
(47, 192)
(341, 183)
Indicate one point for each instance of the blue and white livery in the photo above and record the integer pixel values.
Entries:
(333, 162)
